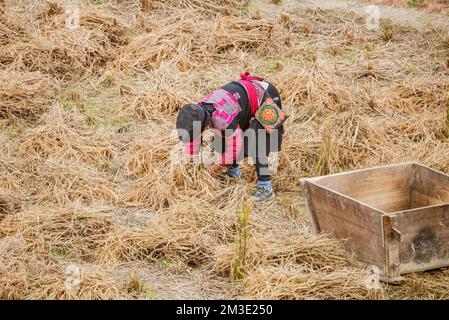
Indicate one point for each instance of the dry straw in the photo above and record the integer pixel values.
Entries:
(106, 195)
(190, 40)
(66, 135)
(25, 95)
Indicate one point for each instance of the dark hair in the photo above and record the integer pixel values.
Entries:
(188, 116)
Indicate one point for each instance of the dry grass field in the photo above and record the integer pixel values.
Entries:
(86, 136)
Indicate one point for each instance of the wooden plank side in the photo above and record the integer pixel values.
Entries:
(343, 218)
(311, 213)
(419, 199)
(424, 238)
(430, 182)
(385, 188)
(392, 240)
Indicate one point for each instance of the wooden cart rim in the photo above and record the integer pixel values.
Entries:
(314, 181)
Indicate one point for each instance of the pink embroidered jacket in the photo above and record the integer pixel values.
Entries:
(227, 109)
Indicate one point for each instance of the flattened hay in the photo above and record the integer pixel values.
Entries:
(25, 95)
(189, 41)
(91, 178)
(26, 276)
(68, 136)
(53, 48)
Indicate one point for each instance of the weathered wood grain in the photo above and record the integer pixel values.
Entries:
(395, 217)
(429, 182)
(345, 218)
(425, 238)
(385, 188)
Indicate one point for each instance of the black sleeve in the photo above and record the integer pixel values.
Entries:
(243, 118)
(273, 93)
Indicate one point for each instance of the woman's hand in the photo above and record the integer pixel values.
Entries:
(215, 169)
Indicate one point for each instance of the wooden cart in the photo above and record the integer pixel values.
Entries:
(395, 217)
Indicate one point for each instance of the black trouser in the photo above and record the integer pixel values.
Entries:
(258, 146)
(262, 168)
